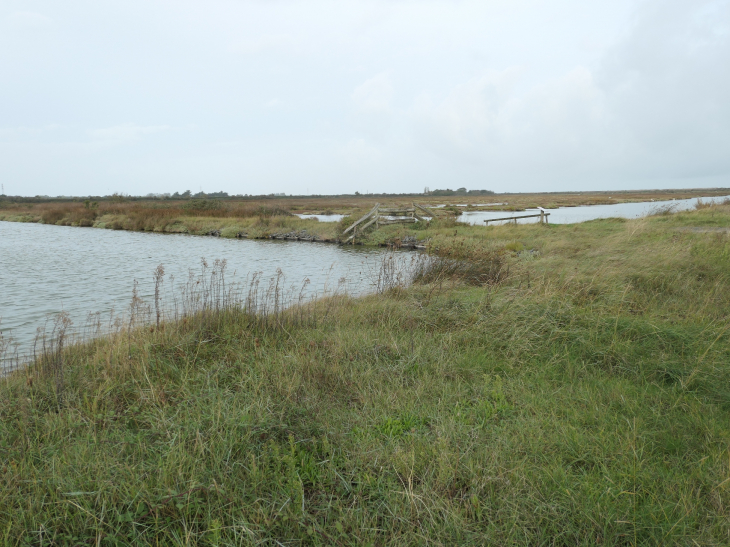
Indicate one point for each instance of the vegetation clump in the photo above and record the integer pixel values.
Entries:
(202, 205)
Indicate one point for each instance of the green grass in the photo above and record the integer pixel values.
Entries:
(582, 400)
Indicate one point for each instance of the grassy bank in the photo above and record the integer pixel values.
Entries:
(577, 393)
(195, 217)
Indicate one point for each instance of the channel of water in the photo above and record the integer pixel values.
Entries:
(48, 269)
(569, 215)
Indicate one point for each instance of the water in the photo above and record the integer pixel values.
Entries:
(48, 269)
(569, 215)
(324, 218)
(563, 215)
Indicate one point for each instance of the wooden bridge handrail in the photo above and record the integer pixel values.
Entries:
(363, 218)
(429, 212)
(398, 211)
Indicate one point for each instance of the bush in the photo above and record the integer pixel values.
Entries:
(53, 216)
(343, 224)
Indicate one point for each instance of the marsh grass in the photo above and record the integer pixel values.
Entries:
(461, 264)
(586, 406)
(256, 217)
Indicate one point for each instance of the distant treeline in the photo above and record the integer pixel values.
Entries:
(460, 192)
(187, 194)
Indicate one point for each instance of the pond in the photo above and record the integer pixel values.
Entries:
(48, 269)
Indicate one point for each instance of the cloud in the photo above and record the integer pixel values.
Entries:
(496, 126)
(470, 115)
(28, 132)
(667, 86)
(263, 44)
(125, 132)
(654, 107)
(522, 96)
(28, 20)
(374, 95)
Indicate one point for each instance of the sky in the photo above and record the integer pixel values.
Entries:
(338, 96)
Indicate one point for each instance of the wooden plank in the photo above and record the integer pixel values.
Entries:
(359, 230)
(396, 221)
(429, 212)
(488, 220)
(374, 219)
(363, 218)
(403, 211)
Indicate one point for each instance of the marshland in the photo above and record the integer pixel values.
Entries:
(276, 217)
(513, 385)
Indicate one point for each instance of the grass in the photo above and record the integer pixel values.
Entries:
(578, 396)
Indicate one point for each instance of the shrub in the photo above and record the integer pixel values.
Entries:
(343, 224)
(53, 216)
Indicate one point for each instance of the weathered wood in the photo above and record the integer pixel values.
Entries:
(360, 230)
(404, 211)
(374, 219)
(387, 221)
(352, 226)
(378, 216)
(429, 212)
(541, 215)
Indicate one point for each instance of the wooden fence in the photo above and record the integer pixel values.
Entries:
(543, 218)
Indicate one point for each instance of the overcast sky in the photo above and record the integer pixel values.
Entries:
(340, 96)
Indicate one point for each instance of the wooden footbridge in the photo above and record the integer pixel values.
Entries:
(383, 216)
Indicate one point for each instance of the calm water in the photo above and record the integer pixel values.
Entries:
(48, 269)
(569, 215)
(324, 218)
(564, 215)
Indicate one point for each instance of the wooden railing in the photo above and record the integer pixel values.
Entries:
(543, 218)
(379, 217)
